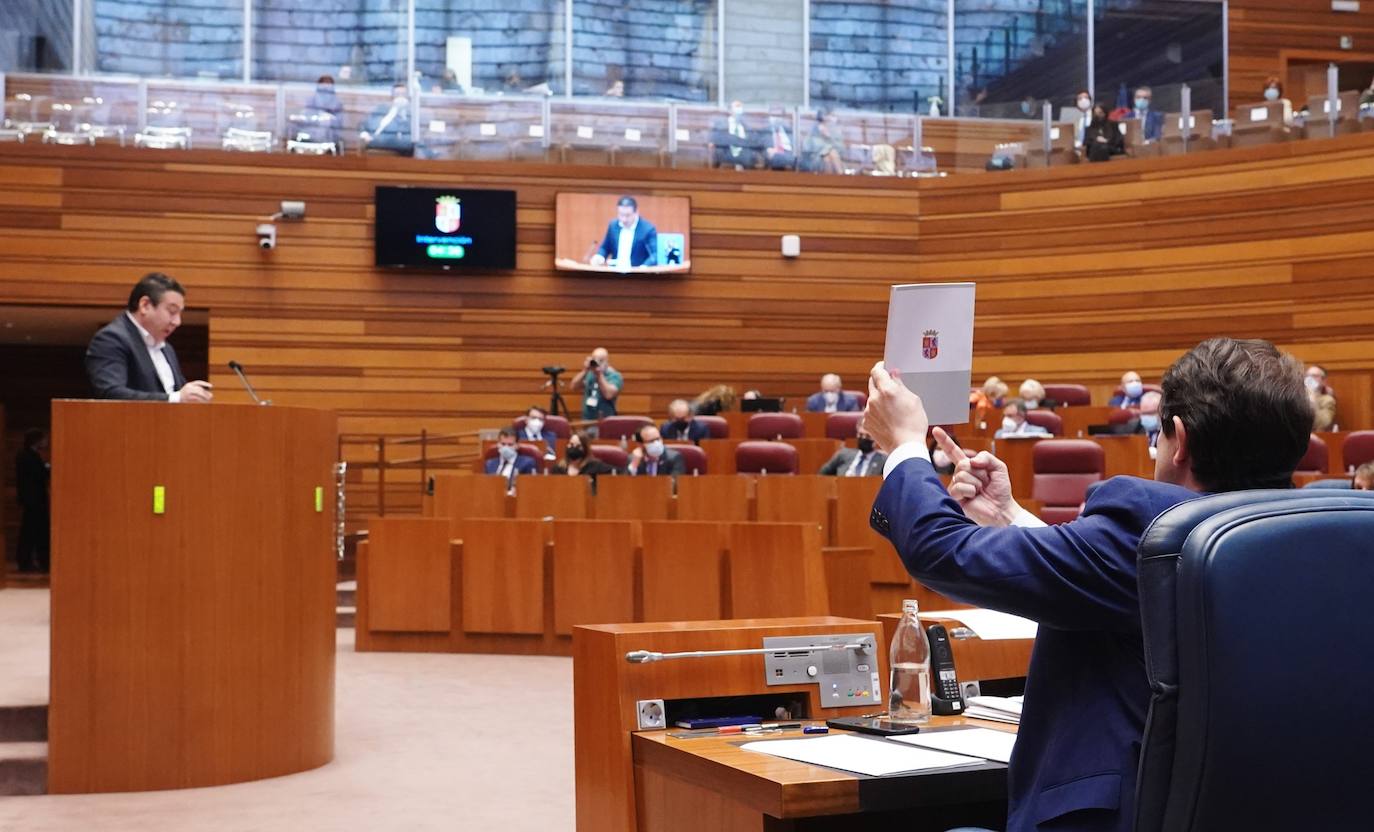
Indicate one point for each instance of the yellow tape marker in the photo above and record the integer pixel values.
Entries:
(159, 499)
(319, 498)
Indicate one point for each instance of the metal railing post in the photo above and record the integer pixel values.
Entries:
(424, 459)
(1333, 98)
(1185, 95)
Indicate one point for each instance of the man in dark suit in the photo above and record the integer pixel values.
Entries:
(630, 239)
(734, 142)
(864, 461)
(509, 462)
(681, 427)
(31, 475)
(832, 398)
(534, 430)
(1151, 121)
(652, 458)
(129, 358)
(388, 125)
(1235, 416)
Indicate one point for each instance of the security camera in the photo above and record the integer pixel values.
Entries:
(267, 236)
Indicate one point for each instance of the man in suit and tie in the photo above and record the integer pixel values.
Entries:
(630, 239)
(1234, 416)
(681, 427)
(864, 461)
(652, 458)
(1151, 121)
(509, 462)
(129, 358)
(832, 398)
(535, 430)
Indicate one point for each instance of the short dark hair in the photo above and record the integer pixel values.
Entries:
(153, 286)
(542, 412)
(1246, 410)
(325, 79)
(33, 436)
(1019, 404)
(506, 432)
(627, 202)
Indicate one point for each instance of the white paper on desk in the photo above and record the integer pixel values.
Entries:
(861, 756)
(974, 742)
(989, 625)
(976, 712)
(930, 339)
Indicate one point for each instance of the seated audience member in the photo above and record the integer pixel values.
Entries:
(1014, 422)
(388, 126)
(1151, 121)
(578, 459)
(735, 143)
(778, 150)
(832, 398)
(508, 462)
(652, 458)
(1033, 394)
(990, 396)
(1148, 420)
(1132, 390)
(1083, 118)
(715, 400)
(824, 149)
(1367, 97)
(681, 427)
(1364, 477)
(32, 474)
(327, 109)
(533, 431)
(1102, 137)
(865, 461)
(601, 385)
(1323, 398)
(1273, 91)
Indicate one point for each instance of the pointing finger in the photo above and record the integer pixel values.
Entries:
(949, 446)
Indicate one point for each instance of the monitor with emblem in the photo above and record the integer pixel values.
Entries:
(444, 229)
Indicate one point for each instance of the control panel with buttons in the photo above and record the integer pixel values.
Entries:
(846, 677)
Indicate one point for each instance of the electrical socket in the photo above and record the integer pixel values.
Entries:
(651, 714)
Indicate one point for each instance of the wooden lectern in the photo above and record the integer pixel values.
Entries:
(193, 594)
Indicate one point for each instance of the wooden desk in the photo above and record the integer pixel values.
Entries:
(974, 658)
(686, 785)
(1077, 419)
(1017, 454)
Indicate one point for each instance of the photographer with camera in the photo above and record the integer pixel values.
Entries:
(600, 384)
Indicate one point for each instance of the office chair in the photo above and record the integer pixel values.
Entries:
(1256, 624)
(765, 457)
(775, 425)
(1064, 470)
(1047, 419)
(1069, 394)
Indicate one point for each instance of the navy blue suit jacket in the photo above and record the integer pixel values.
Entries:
(696, 431)
(847, 403)
(548, 437)
(644, 248)
(523, 465)
(1074, 766)
(118, 365)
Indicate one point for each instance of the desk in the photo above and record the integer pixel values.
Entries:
(686, 785)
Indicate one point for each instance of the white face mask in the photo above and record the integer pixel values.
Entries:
(1084, 103)
(832, 398)
(1313, 383)
(1032, 404)
(1134, 389)
(1008, 423)
(654, 449)
(507, 452)
(536, 424)
(1271, 94)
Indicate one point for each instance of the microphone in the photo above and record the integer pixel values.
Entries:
(238, 370)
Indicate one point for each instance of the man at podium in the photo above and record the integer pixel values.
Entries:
(130, 358)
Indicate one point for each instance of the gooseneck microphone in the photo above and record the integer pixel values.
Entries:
(238, 370)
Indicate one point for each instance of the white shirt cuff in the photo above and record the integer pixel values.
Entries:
(905, 451)
(1026, 520)
(174, 396)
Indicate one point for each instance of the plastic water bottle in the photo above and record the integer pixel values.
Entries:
(909, 700)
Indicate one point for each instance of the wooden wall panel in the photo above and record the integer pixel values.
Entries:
(1266, 34)
(1082, 272)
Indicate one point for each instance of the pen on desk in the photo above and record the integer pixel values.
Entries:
(782, 725)
(737, 729)
(815, 729)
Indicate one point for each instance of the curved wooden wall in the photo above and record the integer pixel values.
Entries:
(1083, 272)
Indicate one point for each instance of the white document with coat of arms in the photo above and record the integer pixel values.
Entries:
(930, 340)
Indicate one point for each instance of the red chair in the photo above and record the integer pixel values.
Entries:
(1068, 394)
(694, 456)
(842, 426)
(1064, 468)
(1317, 459)
(621, 427)
(861, 395)
(765, 457)
(557, 424)
(719, 428)
(775, 426)
(1047, 419)
(534, 452)
(611, 455)
(1358, 448)
(1122, 415)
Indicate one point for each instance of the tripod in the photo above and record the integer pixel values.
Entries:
(557, 407)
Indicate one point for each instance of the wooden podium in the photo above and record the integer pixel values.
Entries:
(193, 594)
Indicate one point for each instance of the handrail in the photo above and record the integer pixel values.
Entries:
(424, 461)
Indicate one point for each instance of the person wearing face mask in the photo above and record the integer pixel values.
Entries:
(578, 460)
(1032, 394)
(779, 151)
(1151, 120)
(865, 460)
(536, 429)
(1102, 137)
(388, 126)
(681, 427)
(824, 149)
(733, 141)
(1130, 393)
(326, 110)
(509, 462)
(1273, 93)
(1323, 398)
(1083, 117)
(1148, 420)
(1014, 424)
(654, 459)
(832, 398)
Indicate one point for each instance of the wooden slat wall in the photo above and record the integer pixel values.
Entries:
(1262, 30)
(1082, 272)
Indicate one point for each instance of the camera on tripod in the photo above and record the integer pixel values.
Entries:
(553, 371)
(556, 404)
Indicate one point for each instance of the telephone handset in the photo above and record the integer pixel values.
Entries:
(946, 697)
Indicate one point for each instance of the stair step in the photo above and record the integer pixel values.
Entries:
(23, 723)
(347, 594)
(345, 616)
(23, 768)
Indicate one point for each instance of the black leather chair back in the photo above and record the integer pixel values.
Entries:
(1257, 610)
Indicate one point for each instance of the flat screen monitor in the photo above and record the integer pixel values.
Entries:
(623, 233)
(444, 229)
(760, 405)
